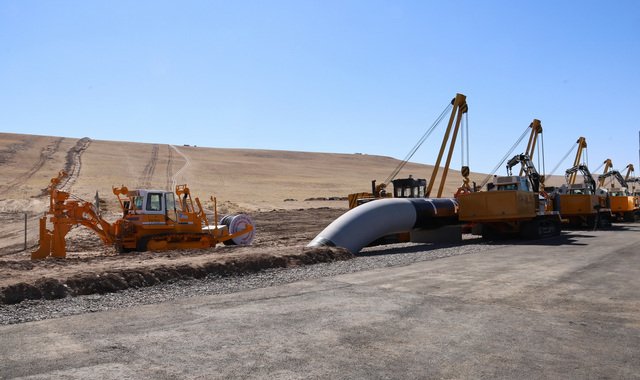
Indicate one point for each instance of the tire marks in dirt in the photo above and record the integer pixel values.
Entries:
(149, 169)
(73, 164)
(169, 171)
(187, 163)
(7, 155)
(46, 154)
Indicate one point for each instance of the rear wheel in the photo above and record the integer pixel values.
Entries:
(141, 245)
(489, 232)
(540, 228)
(604, 220)
(629, 217)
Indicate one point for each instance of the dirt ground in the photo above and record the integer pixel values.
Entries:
(291, 195)
(92, 267)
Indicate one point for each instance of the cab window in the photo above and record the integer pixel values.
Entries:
(137, 203)
(154, 202)
(170, 201)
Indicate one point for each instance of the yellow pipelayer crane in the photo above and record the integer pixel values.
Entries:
(513, 205)
(419, 188)
(580, 203)
(623, 203)
(634, 190)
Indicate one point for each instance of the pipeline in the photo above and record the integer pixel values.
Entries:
(364, 224)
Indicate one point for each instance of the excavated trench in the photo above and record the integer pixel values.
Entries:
(119, 279)
(92, 268)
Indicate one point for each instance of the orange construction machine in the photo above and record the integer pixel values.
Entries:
(623, 202)
(582, 204)
(151, 220)
(512, 205)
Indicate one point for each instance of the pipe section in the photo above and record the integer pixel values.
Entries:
(364, 224)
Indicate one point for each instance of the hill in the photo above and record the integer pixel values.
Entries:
(241, 179)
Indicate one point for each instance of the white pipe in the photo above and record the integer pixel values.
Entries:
(364, 224)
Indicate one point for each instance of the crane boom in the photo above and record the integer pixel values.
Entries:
(536, 129)
(582, 144)
(607, 167)
(630, 170)
(459, 108)
(589, 182)
(527, 168)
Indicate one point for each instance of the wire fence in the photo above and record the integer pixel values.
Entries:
(18, 232)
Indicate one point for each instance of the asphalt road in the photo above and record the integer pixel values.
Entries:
(566, 307)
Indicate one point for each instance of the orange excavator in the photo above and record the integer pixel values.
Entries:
(151, 220)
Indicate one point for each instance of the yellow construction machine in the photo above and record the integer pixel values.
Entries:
(581, 204)
(635, 189)
(511, 206)
(151, 220)
(623, 202)
(419, 188)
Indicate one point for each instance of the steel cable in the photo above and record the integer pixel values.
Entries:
(504, 158)
(417, 146)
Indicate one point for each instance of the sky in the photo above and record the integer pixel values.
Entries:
(335, 76)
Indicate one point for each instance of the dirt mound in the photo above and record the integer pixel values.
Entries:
(116, 280)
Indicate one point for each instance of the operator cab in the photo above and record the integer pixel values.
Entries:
(619, 192)
(579, 188)
(510, 183)
(409, 187)
(150, 202)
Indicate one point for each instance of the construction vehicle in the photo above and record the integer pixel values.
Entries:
(420, 188)
(623, 202)
(581, 204)
(151, 220)
(535, 131)
(634, 190)
(630, 169)
(608, 165)
(511, 206)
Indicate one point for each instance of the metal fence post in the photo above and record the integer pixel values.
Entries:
(25, 231)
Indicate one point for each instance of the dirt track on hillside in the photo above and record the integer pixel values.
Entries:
(91, 267)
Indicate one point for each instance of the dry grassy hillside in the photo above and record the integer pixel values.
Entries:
(243, 179)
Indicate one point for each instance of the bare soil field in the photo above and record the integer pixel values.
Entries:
(292, 196)
(92, 267)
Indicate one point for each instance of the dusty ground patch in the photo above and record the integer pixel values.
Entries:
(94, 268)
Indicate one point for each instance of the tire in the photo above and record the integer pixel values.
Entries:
(141, 245)
(629, 217)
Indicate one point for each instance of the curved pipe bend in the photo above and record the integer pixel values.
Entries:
(364, 224)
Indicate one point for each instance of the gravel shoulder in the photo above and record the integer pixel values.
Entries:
(178, 287)
(564, 307)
